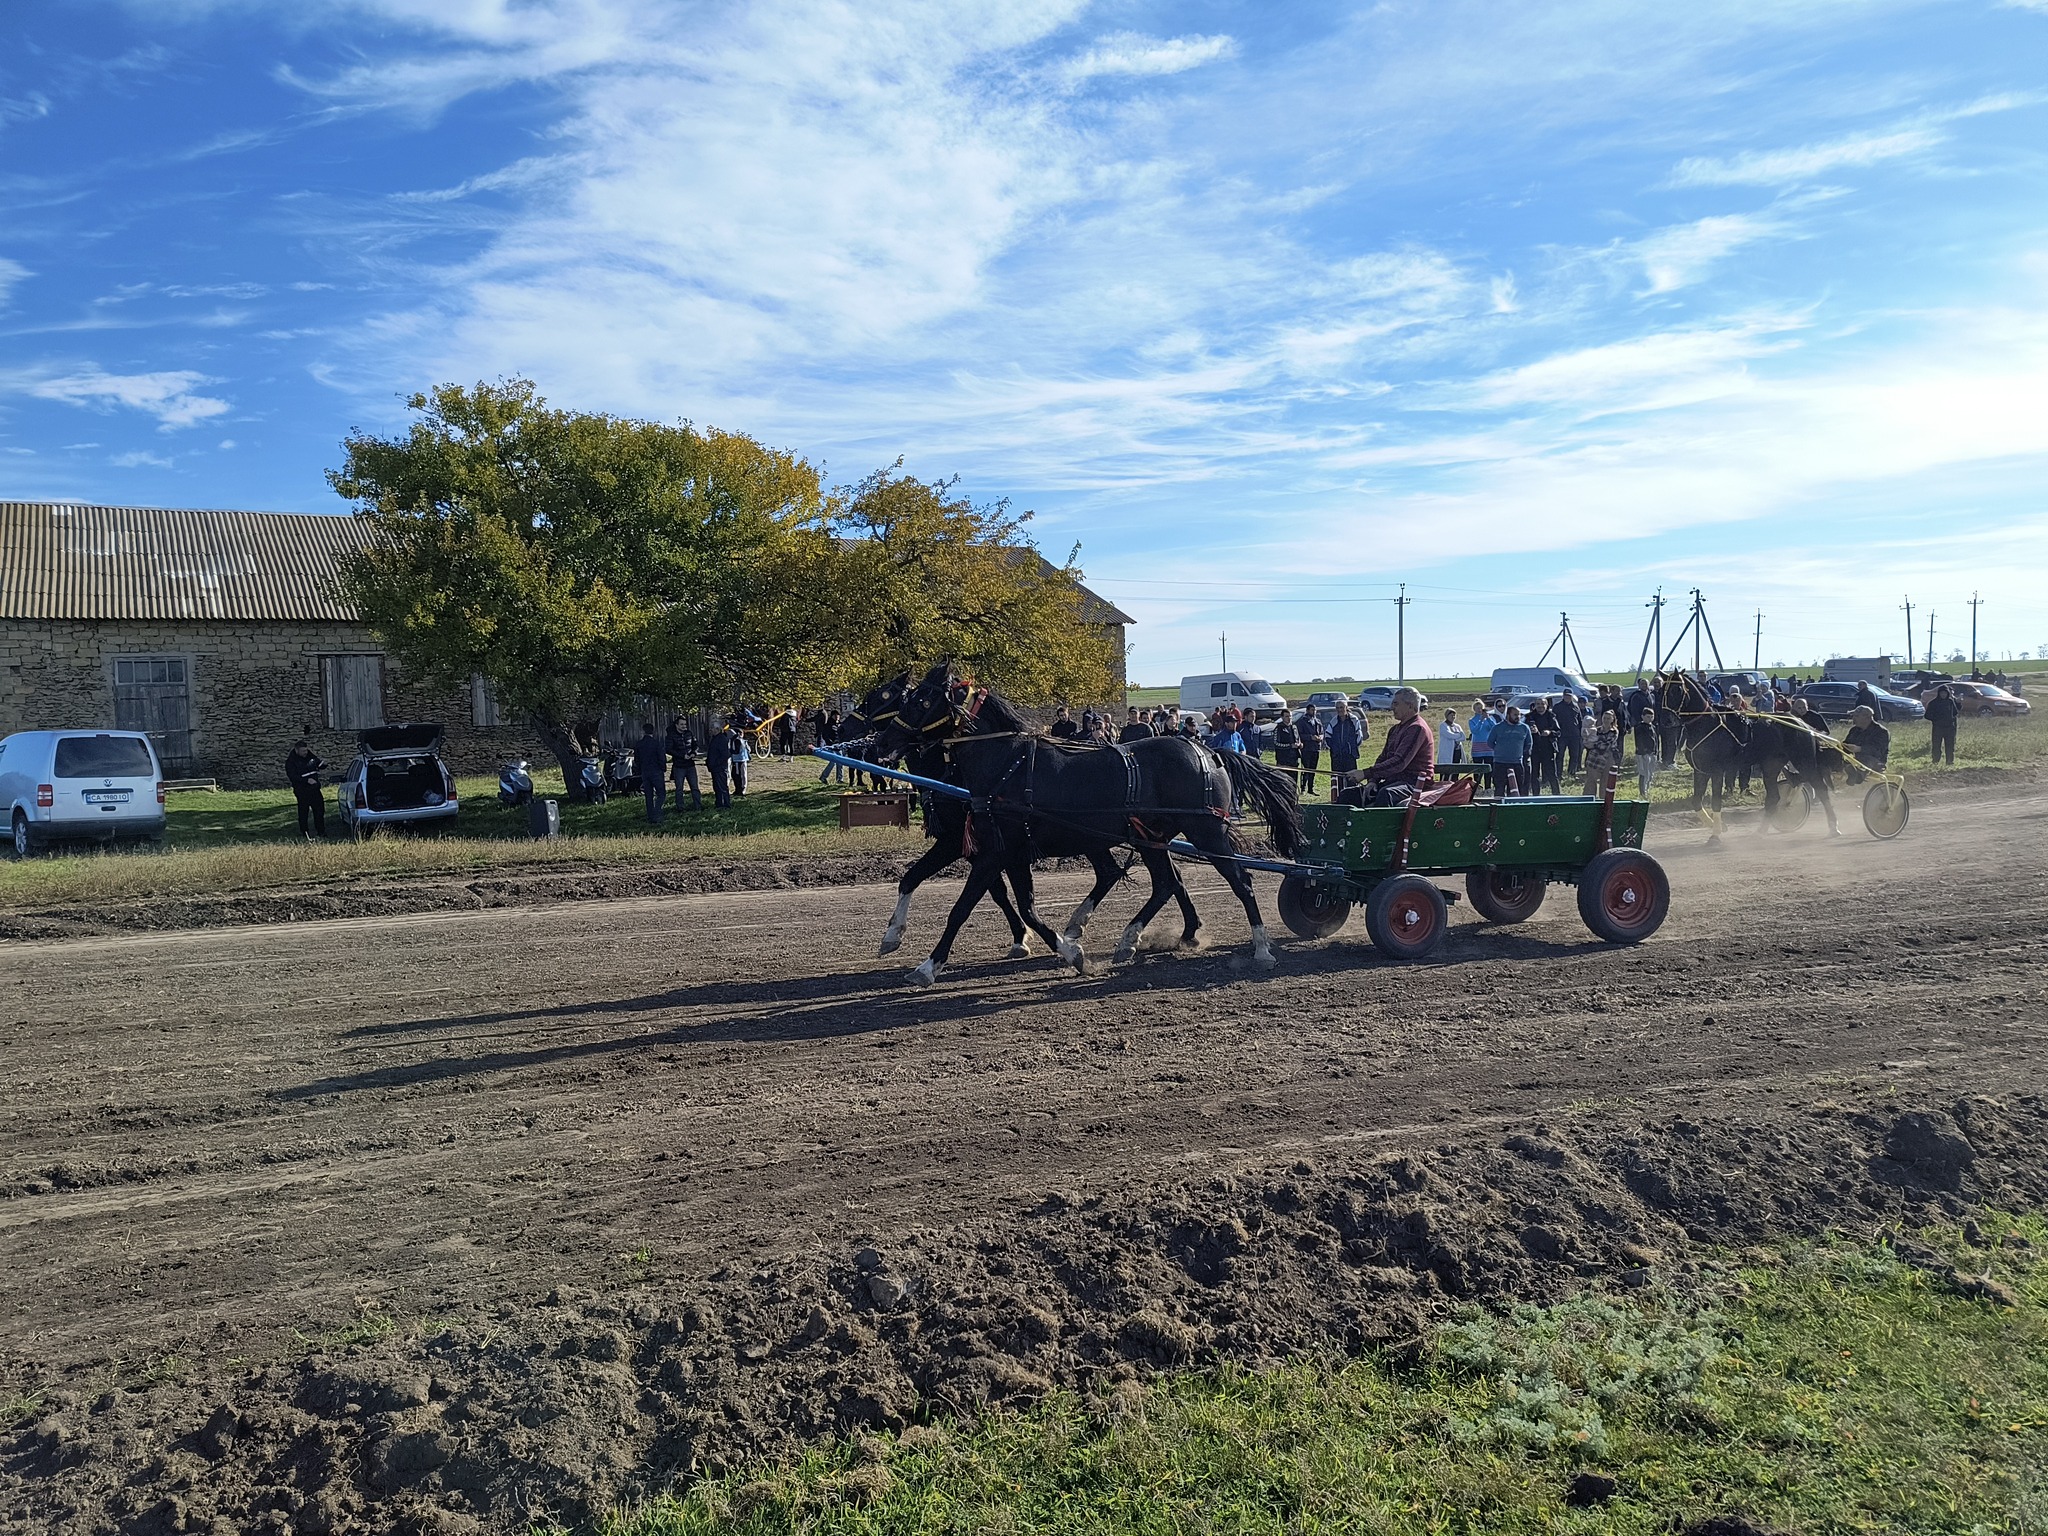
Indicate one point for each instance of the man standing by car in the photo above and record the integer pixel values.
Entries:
(1545, 740)
(650, 761)
(1571, 733)
(1347, 736)
(1942, 710)
(1311, 729)
(302, 771)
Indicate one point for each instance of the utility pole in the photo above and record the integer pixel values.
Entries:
(1401, 635)
(1756, 659)
(1908, 606)
(1930, 639)
(1224, 640)
(1565, 644)
(1976, 602)
(1653, 638)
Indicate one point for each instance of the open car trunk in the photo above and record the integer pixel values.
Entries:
(424, 736)
(405, 783)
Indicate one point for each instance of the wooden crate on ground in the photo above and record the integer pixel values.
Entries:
(874, 810)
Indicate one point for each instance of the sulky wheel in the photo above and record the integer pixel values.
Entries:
(1504, 895)
(1793, 808)
(1624, 895)
(1406, 917)
(1886, 810)
(1312, 910)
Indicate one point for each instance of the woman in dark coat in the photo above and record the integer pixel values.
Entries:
(1287, 744)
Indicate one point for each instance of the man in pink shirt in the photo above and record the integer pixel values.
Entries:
(1406, 756)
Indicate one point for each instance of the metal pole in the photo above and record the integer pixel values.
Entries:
(1756, 659)
(1696, 629)
(1401, 635)
(1224, 639)
(1908, 606)
(1930, 639)
(1976, 602)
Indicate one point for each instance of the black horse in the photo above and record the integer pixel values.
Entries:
(1034, 798)
(945, 820)
(1779, 748)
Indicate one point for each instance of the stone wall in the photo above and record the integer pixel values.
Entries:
(255, 686)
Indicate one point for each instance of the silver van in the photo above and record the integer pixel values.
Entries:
(60, 786)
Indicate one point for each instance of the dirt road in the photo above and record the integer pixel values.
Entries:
(414, 1222)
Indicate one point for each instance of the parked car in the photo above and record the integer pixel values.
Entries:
(397, 779)
(56, 786)
(1750, 684)
(1979, 698)
(1833, 701)
(1527, 701)
(1323, 700)
(1381, 696)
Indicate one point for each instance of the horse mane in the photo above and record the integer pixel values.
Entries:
(997, 717)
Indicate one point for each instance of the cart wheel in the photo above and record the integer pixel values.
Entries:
(1624, 895)
(1886, 810)
(1312, 910)
(1793, 810)
(1406, 917)
(1505, 895)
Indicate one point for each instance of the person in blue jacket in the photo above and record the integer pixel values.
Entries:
(1224, 737)
(1479, 735)
(1511, 740)
(1346, 740)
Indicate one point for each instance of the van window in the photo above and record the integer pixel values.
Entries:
(103, 757)
(1218, 690)
(1237, 690)
(1258, 688)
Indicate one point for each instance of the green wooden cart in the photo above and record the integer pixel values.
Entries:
(1509, 851)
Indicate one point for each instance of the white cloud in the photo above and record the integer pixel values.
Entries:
(1774, 167)
(12, 274)
(170, 397)
(1679, 256)
(138, 460)
(1502, 289)
(1644, 373)
(1131, 53)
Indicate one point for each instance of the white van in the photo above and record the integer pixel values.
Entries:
(56, 786)
(1540, 680)
(1212, 690)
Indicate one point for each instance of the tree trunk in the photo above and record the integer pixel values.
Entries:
(567, 753)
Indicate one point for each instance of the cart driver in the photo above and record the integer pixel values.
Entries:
(1867, 742)
(1406, 756)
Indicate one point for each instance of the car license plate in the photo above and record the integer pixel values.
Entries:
(106, 796)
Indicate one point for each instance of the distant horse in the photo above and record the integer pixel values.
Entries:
(1781, 749)
(945, 819)
(1034, 798)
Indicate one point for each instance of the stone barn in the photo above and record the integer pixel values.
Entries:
(216, 632)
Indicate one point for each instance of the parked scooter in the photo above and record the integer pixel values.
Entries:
(590, 778)
(515, 783)
(621, 775)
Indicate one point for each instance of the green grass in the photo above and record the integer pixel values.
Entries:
(1835, 1390)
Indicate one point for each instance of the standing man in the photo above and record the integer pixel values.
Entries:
(1064, 727)
(682, 756)
(650, 761)
(302, 771)
(1942, 711)
(1287, 748)
(1311, 749)
(718, 755)
(742, 754)
(1510, 742)
(1480, 732)
(1134, 728)
(1347, 737)
(1571, 733)
(1545, 740)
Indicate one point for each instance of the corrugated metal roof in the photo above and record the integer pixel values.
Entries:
(62, 560)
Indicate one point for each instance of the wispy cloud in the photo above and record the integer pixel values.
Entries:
(139, 459)
(1131, 53)
(170, 397)
(1681, 255)
(1775, 167)
(12, 274)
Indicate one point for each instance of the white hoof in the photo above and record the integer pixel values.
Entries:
(891, 942)
(1019, 951)
(924, 975)
(1266, 960)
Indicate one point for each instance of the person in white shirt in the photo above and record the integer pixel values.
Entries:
(1450, 740)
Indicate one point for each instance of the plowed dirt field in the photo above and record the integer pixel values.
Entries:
(444, 1219)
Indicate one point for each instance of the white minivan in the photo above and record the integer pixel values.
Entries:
(1551, 680)
(1210, 691)
(57, 786)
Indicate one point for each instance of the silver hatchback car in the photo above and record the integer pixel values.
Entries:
(65, 786)
(397, 779)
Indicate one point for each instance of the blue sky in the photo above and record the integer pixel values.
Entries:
(1269, 307)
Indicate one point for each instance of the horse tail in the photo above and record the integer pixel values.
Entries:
(1269, 792)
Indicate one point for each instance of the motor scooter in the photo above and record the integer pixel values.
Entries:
(590, 778)
(621, 774)
(515, 783)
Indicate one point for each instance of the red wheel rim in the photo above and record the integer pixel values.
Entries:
(1413, 918)
(1627, 898)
